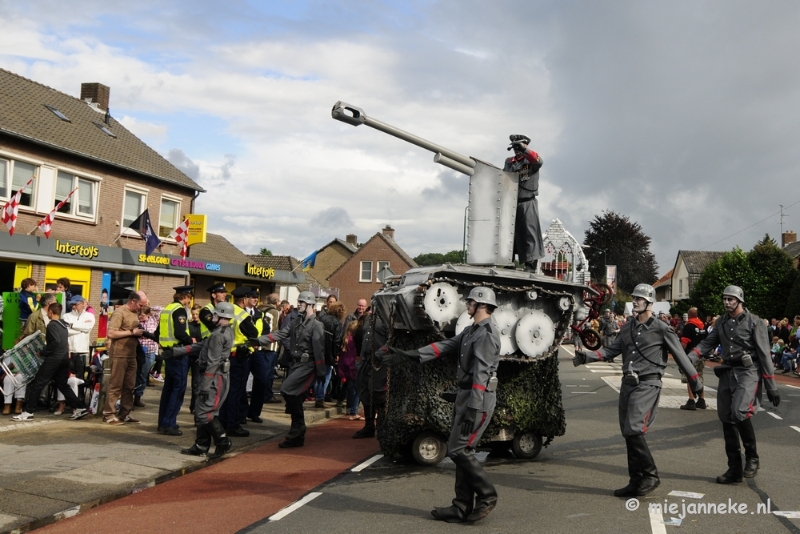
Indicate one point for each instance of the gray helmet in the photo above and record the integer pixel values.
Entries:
(482, 295)
(734, 291)
(307, 297)
(225, 310)
(645, 291)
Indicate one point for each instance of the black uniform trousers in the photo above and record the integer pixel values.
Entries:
(231, 413)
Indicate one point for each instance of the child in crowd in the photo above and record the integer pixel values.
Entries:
(27, 299)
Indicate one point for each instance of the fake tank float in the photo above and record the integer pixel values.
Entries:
(426, 304)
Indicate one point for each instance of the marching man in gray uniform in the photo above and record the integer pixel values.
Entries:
(527, 230)
(478, 351)
(307, 348)
(214, 364)
(745, 363)
(644, 344)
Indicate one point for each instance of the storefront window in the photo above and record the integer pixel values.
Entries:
(122, 283)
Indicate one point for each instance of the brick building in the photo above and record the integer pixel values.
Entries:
(60, 143)
(357, 278)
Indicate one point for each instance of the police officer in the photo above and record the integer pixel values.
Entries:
(232, 414)
(214, 363)
(306, 337)
(478, 351)
(527, 230)
(258, 363)
(217, 293)
(173, 330)
(746, 362)
(644, 344)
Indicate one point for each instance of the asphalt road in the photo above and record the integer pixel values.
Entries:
(568, 487)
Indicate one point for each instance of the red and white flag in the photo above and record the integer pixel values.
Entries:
(46, 224)
(10, 210)
(180, 235)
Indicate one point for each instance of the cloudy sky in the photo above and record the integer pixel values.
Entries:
(682, 115)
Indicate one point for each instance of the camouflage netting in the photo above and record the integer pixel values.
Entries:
(528, 398)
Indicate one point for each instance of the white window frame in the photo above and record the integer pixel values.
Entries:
(124, 230)
(10, 160)
(381, 266)
(177, 220)
(361, 270)
(75, 215)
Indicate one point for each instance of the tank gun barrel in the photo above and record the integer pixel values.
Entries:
(355, 116)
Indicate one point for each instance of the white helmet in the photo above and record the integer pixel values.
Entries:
(307, 297)
(482, 295)
(645, 291)
(735, 292)
(224, 310)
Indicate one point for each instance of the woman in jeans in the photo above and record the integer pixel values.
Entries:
(347, 370)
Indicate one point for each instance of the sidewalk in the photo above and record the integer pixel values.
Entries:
(53, 467)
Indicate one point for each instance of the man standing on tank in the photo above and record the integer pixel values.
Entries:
(644, 344)
(746, 362)
(527, 230)
(477, 348)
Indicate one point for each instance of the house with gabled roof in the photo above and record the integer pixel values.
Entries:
(663, 287)
(358, 277)
(689, 265)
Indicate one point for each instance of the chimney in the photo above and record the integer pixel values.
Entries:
(788, 237)
(389, 232)
(96, 93)
(352, 239)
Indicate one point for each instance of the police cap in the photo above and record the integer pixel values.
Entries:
(183, 289)
(217, 288)
(241, 292)
(253, 293)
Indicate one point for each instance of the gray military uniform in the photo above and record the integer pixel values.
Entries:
(306, 337)
(644, 348)
(478, 349)
(739, 392)
(214, 382)
(527, 229)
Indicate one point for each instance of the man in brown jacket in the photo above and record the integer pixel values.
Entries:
(123, 332)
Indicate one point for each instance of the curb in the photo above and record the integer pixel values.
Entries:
(310, 416)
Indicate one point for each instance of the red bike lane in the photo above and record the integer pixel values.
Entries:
(233, 493)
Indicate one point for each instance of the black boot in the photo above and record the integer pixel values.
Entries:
(297, 432)
(748, 434)
(647, 466)
(531, 266)
(201, 443)
(462, 504)
(475, 476)
(734, 454)
(221, 440)
(633, 472)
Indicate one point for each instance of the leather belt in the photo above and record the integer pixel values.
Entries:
(652, 376)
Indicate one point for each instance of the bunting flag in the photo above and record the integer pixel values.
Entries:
(10, 210)
(309, 262)
(180, 234)
(145, 229)
(46, 224)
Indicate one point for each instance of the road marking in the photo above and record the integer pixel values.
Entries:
(687, 494)
(294, 506)
(790, 386)
(776, 416)
(364, 465)
(657, 521)
(569, 351)
(796, 428)
(584, 392)
(612, 371)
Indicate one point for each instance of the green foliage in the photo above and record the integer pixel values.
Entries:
(793, 302)
(265, 252)
(625, 245)
(680, 307)
(766, 274)
(435, 258)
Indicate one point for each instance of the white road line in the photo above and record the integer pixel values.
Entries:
(776, 416)
(294, 506)
(615, 371)
(584, 392)
(790, 386)
(364, 465)
(569, 351)
(796, 428)
(657, 521)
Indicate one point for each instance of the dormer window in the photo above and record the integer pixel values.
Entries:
(57, 113)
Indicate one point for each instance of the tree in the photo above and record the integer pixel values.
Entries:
(265, 252)
(435, 258)
(625, 245)
(766, 274)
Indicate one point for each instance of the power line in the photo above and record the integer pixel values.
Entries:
(779, 212)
